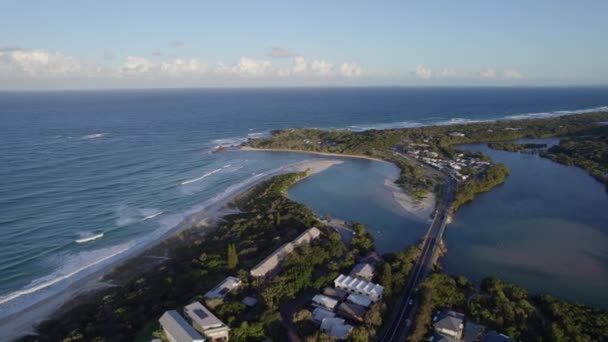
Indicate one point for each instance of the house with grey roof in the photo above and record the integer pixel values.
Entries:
(449, 323)
(363, 271)
(177, 329)
(336, 328)
(206, 322)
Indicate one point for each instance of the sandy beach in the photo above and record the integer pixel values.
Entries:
(24, 321)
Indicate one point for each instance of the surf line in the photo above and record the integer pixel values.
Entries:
(204, 176)
(89, 238)
(152, 216)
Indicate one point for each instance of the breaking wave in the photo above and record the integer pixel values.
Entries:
(94, 136)
(88, 237)
(205, 175)
(151, 216)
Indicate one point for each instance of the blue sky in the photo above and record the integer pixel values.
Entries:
(116, 44)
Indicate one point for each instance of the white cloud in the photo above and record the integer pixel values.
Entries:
(423, 72)
(29, 65)
(351, 70)
(303, 68)
(321, 68)
(249, 66)
(300, 65)
(512, 74)
(281, 52)
(179, 67)
(487, 73)
(135, 65)
(40, 63)
(447, 72)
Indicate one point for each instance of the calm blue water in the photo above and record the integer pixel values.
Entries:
(74, 165)
(545, 229)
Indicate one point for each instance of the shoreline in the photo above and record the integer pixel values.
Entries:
(420, 209)
(326, 154)
(23, 322)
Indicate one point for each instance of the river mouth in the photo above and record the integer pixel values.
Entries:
(358, 190)
(544, 229)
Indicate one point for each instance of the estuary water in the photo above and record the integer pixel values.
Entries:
(86, 176)
(545, 228)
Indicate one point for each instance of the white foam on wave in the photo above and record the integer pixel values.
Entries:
(88, 237)
(77, 266)
(205, 175)
(73, 266)
(556, 113)
(149, 217)
(389, 125)
(94, 136)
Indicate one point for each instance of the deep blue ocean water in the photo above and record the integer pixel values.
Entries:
(132, 164)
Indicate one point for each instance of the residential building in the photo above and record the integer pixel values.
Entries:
(442, 338)
(360, 300)
(363, 271)
(449, 323)
(324, 302)
(222, 289)
(335, 293)
(372, 258)
(206, 323)
(362, 287)
(336, 328)
(351, 311)
(272, 262)
(177, 329)
(319, 314)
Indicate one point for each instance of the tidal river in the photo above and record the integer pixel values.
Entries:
(545, 228)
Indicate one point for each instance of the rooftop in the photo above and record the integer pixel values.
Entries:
(178, 328)
(271, 262)
(202, 316)
(222, 289)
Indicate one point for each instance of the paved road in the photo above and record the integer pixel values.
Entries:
(399, 328)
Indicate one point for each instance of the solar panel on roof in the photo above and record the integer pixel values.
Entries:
(201, 313)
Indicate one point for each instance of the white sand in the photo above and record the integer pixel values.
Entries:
(420, 209)
(23, 322)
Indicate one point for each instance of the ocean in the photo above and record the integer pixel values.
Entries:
(86, 176)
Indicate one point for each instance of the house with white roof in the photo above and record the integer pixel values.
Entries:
(222, 289)
(359, 286)
(324, 302)
(206, 322)
(449, 323)
(177, 329)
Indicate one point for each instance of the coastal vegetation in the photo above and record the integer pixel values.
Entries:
(509, 309)
(588, 152)
(266, 220)
(479, 183)
(513, 147)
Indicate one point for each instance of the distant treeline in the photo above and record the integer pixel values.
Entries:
(589, 153)
(512, 147)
